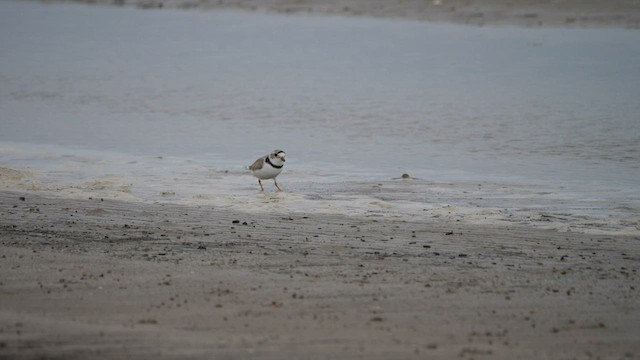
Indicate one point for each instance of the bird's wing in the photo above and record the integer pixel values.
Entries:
(257, 165)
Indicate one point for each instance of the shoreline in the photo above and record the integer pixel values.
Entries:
(467, 203)
(130, 228)
(104, 278)
(529, 13)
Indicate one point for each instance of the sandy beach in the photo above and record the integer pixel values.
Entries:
(131, 229)
(528, 13)
(97, 278)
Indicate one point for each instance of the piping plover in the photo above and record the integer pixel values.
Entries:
(268, 167)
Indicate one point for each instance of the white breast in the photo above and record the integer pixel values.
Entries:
(267, 172)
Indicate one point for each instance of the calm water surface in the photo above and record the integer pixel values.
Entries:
(182, 100)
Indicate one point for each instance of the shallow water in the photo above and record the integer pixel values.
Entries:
(531, 126)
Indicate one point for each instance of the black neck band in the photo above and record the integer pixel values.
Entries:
(275, 166)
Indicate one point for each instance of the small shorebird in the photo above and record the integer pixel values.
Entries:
(268, 167)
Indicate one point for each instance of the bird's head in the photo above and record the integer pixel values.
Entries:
(277, 157)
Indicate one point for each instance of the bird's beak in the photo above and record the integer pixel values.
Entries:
(281, 156)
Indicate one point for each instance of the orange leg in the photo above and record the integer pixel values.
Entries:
(260, 182)
(276, 183)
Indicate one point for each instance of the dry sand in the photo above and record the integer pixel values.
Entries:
(84, 279)
(530, 13)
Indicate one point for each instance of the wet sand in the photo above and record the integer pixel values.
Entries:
(100, 278)
(529, 13)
